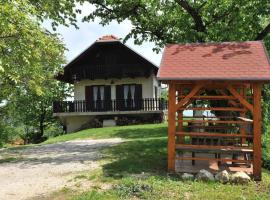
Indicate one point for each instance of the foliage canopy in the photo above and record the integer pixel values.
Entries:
(29, 58)
(172, 21)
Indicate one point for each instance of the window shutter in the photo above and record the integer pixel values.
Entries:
(107, 97)
(119, 97)
(138, 96)
(107, 92)
(138, 91)
(88, 93)
(119, 92)
(89, 97)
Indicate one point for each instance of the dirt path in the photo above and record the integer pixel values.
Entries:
(44, 169)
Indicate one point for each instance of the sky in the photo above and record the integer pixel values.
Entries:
(77, 40)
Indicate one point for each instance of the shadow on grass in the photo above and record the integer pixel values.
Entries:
(134, 157)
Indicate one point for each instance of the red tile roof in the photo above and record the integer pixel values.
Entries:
(108, 38)
(215, 61)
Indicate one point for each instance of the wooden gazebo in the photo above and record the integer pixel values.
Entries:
(223, 81)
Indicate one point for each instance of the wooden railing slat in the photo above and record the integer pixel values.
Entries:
(212, 134)
(215, 159)
(216, 121)
(147, 104)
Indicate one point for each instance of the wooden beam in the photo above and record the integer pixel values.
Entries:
(242, 100)
(216, 121)
(207, 134)
(194, 90)
(212, 127)
(215, 159)
(245, 119)
(171, 127)
(211, 147)
(257, 131)
(216, 97)
(215, 108)
(233, 103)
(210, 117)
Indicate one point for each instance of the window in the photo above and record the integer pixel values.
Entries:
(98, 94)
(129, 94)
(98, 97)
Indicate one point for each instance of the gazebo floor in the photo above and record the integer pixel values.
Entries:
(182, 166)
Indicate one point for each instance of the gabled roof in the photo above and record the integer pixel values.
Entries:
(215, 61)
(106, 41)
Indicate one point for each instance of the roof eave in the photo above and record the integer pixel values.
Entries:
(212, 79)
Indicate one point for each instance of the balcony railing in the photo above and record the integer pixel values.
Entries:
(147, 104)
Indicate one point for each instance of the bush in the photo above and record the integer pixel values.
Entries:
(54, 130)
(32, 137)
(133, 189)
(266, 150)
(7, 134)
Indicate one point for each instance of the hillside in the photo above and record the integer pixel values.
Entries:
(136, 169)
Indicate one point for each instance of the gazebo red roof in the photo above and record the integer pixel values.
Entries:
(215, 61)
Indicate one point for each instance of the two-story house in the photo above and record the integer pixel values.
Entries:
(111, 82)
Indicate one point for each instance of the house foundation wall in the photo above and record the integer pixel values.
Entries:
(81, 122)
(75, 123)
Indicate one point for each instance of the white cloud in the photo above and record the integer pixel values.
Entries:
(77, 40)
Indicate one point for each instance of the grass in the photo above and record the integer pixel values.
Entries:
(125, 132)
(136, 169)
(158, 187)
(8, 159)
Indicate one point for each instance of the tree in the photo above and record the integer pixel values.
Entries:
(25, 49)
(37, 116)
(173, 21)
(30, 56)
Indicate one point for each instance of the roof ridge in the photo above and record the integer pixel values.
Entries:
(108, 38)
(206, 43)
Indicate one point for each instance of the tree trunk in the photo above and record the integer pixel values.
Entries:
(39, 136)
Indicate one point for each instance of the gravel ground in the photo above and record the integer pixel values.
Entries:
(41, 170)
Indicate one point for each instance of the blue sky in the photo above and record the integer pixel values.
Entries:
(77, 40)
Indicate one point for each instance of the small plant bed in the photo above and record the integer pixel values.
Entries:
(222, 177)
(172, 187)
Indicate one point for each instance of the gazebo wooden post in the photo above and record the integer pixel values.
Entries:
(171, 127)
(257, 151)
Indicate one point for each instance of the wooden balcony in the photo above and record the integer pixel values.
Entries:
(147, 104)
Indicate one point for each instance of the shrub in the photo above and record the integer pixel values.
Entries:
(266, 150)
(133, 189)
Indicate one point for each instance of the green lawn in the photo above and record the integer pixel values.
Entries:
(136, 169)
(126, 132)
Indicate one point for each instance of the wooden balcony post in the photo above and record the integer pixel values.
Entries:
(171, 127)
(257, 131)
